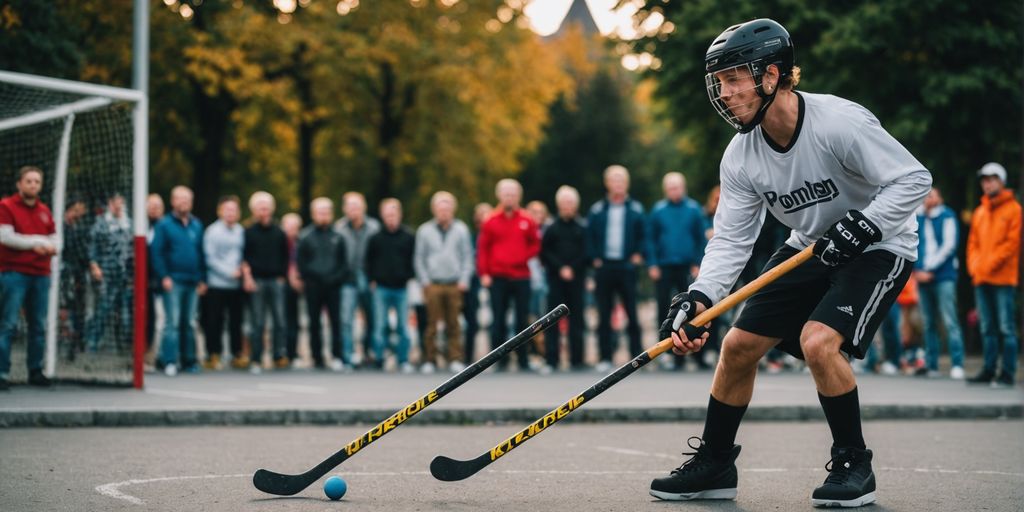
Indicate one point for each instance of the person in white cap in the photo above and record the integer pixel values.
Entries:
(993, 260)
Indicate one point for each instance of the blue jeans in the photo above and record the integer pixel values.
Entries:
(938, 303)
(114, 295)
(179, 339)
(893, 345)
(269, 295)
(352, 295)
(383, 299)
(17, 290)
(995, 310)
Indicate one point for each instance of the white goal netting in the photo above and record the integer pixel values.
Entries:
(82, 137)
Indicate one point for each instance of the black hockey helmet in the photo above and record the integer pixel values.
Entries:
(756, 45)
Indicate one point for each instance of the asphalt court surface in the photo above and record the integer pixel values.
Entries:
(920, 465)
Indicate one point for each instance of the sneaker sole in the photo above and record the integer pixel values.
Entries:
(712, 494)
(866, 499)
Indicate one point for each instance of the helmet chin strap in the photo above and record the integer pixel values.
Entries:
(766, 101)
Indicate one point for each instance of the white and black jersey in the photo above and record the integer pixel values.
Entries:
(840, 158)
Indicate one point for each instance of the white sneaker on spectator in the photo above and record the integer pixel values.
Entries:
(357, 359)
(427, 368)
(148, 368)
(171, 370)
(456, 366)
(336, 365)
(603, 367)
(669, 362)
(534, 366)
(406, 368)
(546, 370)
(255, 369)
(889, 369)
(297, 364)
(957, 373)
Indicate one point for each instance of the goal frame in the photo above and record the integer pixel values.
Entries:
(95, 97)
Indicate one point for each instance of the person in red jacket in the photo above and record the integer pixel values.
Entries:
(508, 239)
(28, 241)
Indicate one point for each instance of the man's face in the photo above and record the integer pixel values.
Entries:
(262, 211)
(739, 93)
(674, 190)
(538, 213)
(444, 211)
(30, 184)
(567, 206)
(509, 196)
(322, 214)
(181, 202)
(355, 209)
(154, 207)
(75, 211)
(932, 200)
(617, 184)
(116, 206)
(991, 185)
(391, 215)
(291, 226)
(229, 212)
(481, 213)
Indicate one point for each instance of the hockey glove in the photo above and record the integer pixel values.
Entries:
(846, 239)
(683, 309)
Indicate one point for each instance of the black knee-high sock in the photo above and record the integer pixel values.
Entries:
(721, 425)
(843, 415)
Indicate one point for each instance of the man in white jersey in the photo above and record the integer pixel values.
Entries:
(825, 168)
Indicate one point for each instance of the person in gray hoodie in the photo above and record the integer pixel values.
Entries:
(223, 243)
(443, 260)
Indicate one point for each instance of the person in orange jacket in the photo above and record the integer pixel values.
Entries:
(993, 260)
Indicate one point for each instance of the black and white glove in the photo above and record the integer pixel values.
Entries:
(683, 309)
(846, 239)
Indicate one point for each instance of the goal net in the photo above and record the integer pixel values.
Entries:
(84, 139)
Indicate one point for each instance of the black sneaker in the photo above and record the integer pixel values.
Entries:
(984, 377)
(1004, 380)
(36, 378)
(850, 481)
(705, 476)
(4, 385)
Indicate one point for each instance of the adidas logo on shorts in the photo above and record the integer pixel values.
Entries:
(846, 309)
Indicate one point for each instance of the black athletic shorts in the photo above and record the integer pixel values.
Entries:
(852, 299)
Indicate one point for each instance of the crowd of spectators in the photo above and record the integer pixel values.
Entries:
(257, 279)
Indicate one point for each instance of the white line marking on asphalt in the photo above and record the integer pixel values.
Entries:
(113, 489)
(191, 395)
(638, 453)
(295, 388)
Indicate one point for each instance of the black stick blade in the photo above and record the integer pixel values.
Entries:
(451, 470)
(281, 485)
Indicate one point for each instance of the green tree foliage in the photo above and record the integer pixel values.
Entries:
(397, 98)
(944, 77)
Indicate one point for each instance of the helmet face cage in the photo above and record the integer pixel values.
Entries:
(714, 88)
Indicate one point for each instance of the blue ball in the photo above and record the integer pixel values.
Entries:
(335, 487)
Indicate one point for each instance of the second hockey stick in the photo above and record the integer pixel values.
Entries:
(451, 470)
(287, 485)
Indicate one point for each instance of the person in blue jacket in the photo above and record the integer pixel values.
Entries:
(180, 265)
(675, 245)
(936, 272)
